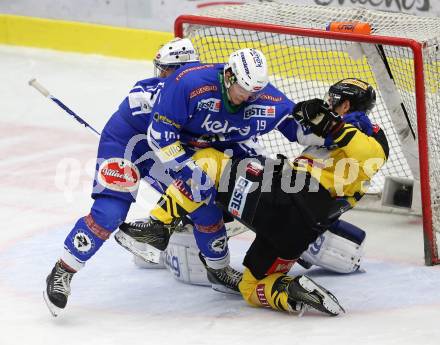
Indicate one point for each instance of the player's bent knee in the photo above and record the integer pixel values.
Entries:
(175, 202)
(109, 212)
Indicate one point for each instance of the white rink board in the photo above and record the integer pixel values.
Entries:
(397, 300)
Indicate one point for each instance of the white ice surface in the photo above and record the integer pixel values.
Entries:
(46, 162)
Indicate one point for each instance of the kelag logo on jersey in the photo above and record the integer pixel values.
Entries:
(222, 127)
(239, 195)
(259, 111)
(210, 104)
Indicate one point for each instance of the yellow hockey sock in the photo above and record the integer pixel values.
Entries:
(268, 292)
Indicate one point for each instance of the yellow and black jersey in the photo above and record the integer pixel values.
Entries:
(346, 167)
(342, 170)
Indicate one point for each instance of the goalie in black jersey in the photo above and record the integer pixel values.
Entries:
(302, 199)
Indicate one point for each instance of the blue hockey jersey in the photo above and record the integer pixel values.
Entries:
(193, 110)
(136, 108)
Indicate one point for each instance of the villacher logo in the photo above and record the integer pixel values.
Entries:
(119, 174)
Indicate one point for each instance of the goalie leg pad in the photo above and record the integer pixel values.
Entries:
(182, 259)
(339, 249)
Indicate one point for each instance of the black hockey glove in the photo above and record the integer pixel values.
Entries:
(316, 115)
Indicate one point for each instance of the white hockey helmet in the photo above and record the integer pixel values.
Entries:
(249, 70)
(175, 54)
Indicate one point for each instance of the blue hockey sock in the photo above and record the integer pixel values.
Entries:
(210, 235)
(83, 242)
(90, 232)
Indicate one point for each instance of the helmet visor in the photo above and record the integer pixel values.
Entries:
(161, 68)
(333, 100)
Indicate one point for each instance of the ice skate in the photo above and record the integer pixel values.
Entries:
(57, 289)
(304, 293)
(151, 232)
(223, 280)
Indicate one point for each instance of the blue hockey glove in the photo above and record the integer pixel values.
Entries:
(195, 183)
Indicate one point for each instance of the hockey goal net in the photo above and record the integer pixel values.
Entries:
(399, 58)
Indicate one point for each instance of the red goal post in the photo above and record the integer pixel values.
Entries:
(305, 45)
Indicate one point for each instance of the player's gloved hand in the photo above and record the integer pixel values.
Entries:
(195, 183)
(316, 115)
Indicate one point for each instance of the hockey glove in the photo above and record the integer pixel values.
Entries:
(195, 184)
(316, 115)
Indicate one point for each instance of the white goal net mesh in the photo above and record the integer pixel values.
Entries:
(304, 67)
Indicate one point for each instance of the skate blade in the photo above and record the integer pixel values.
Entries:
(149, 255)
(224, 289)
(54, 310)
(329, 302)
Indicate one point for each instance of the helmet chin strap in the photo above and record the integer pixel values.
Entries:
(227, 93)
(230, 107)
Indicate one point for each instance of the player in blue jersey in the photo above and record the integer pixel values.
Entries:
(340, 250)
(121, 164)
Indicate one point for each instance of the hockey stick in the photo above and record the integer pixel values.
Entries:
(41, 89)
(381, 52)
(232, 231)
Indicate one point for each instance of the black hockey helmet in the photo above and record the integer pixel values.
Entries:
(361, 95)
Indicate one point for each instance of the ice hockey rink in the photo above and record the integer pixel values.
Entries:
(47, 160)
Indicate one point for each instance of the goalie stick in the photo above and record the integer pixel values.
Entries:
(376, 58)
(383, 56)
